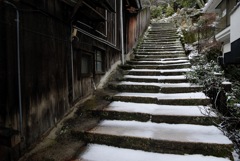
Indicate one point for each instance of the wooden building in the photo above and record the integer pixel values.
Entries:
(54, 53)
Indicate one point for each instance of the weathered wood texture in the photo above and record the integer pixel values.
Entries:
(136, 25)
(47, 81)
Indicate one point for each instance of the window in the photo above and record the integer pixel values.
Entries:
(99, 61)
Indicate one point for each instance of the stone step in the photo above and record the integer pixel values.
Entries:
(161, 137)
(161, 39)
(171, 66)
(155, 58)
(160, 29)
(160, 49)
(146, 57)
(158, 113)
(97, 152)
(154, 46)
(161, 43)
(127, 86)
(157, 72)
(161, 35)
(175, 43)
(169, 40)
(159, 56)
(196, 98)
(160, 79)
(162, 56)
(159, 46)
(159, 52)
(158, 62)
(170, 32)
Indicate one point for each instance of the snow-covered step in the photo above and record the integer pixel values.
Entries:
(158, 61)
(193, 98)
(163, 79)
(158, 72)
(162, 49)
(159, 52)
(152, 58)
(96, 152)
(158, 113)
(146, 43)
(161, 36)
(159, 49)
(177, 42)
(160, 46)
(161, 137)
(154, 66)
(160, 56)
(126, 86)
(162, 30)
(162, 40)
(154, 46)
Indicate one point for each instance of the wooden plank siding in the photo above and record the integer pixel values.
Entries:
(136, 26)
(50, 83)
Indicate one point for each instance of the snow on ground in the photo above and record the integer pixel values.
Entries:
(163, 131)
(159, 84)
(155, 109)
(97, 152)
(196, 95)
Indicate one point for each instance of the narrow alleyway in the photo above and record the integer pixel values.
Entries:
(157, 114)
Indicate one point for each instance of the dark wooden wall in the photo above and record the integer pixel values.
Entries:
(47, 82)
(44, 48)
(136, 25)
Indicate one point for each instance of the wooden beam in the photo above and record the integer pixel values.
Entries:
(94, 11)
(76, 7)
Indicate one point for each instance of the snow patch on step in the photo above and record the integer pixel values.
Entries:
(161, 70)
(163, 96)
(154, 109)
(157, 77)
(162, 131)
(165, 65)
(159, 84)
(95, 152)
(164, 61)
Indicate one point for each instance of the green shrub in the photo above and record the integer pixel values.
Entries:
(204, 73)
(156, 12)
(169, 11)
(189, 36)
(213, 52)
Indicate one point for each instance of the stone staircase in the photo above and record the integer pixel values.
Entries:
(157, 114)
